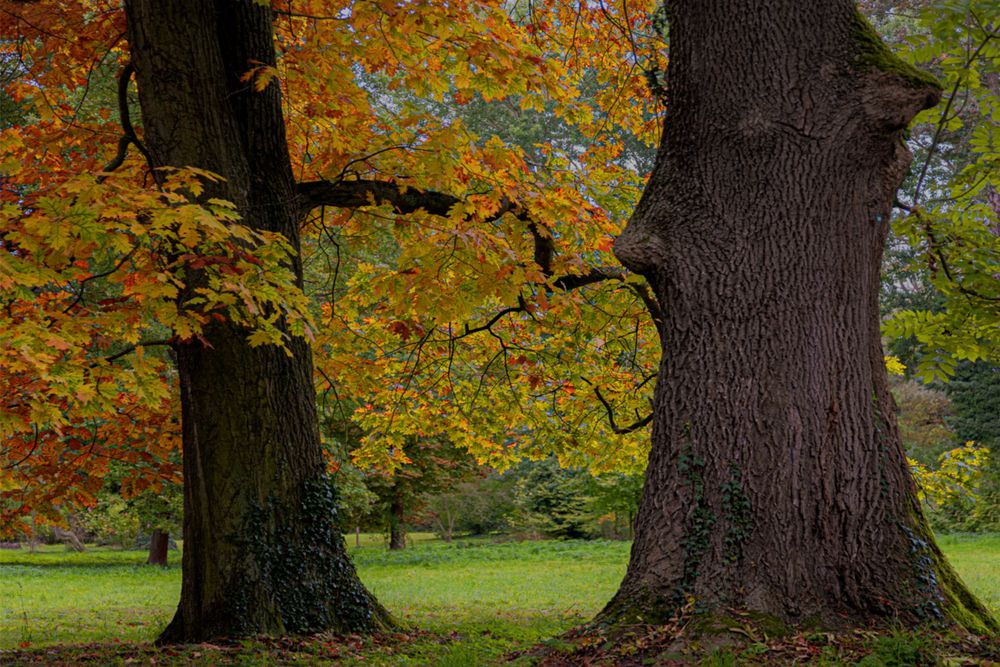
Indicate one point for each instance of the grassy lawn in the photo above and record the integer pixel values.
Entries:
(490, 597)
(977, 560)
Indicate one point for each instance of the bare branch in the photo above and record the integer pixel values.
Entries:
(132, 348)
(620, 430)
(129, 137)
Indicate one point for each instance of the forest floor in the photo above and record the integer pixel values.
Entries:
(471, 602)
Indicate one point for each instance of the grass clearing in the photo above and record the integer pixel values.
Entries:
(479, 598)
(977, 560)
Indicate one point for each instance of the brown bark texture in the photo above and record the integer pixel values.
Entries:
(777, 482)
(263, 551)
(159, 543)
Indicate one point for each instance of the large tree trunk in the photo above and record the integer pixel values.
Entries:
(776, 480)
(263, 551)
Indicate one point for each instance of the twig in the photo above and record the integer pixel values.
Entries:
(620, 430)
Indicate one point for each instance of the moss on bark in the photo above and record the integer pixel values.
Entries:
(868, 51)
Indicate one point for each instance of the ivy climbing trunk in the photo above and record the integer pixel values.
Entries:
(263, 551)
(777, 482)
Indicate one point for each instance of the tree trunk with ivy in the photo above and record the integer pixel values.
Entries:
(263, 549)
(777, 482)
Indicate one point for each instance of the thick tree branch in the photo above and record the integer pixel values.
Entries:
(357, 193)
(595, 275)
(545, 247)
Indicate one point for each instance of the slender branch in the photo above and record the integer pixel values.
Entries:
(82, 285)
(620, 430)
(934, 247)
(652, 305)
(493, 320)
(935, 141)
(132, 348)
(364, 158)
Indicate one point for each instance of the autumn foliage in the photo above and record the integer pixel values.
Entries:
(463, 169)
(446, 250)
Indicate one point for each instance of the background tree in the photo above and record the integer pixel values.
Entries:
(482, 505)
(777, 482)
(975, 394)
(429, 466)
(553, 501)
(615, 498)
(923, 416)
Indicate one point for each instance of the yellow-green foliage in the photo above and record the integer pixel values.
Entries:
(893, 365)
(954, 482)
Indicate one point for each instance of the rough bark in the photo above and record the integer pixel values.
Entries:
(777, 482)
(159, 543)
(263, 551)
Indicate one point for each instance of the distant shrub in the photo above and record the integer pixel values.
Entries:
(951, 492)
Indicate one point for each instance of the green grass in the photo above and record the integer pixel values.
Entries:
(498, 596)
(53, 596)
(977, 560)
(488, 597)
